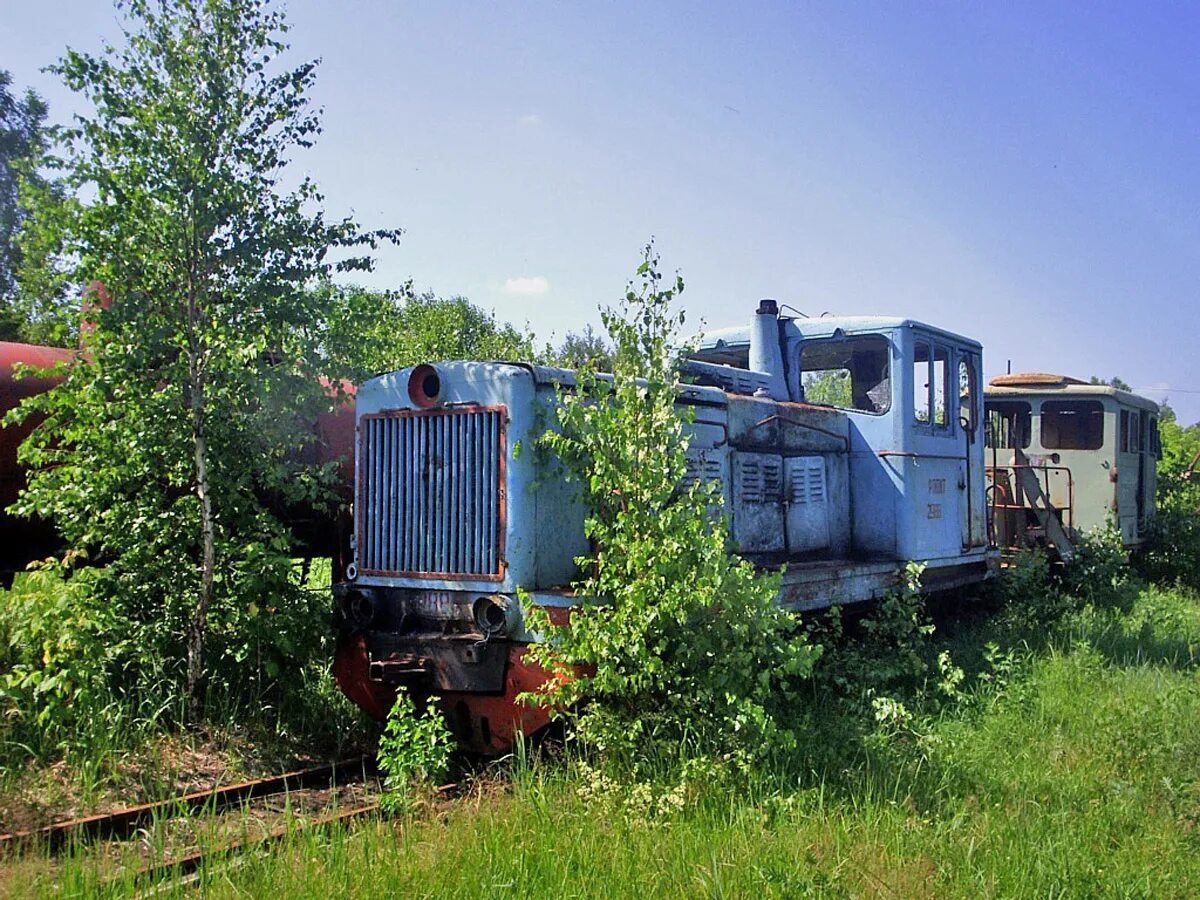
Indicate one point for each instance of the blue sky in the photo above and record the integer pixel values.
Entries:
(1027, 174)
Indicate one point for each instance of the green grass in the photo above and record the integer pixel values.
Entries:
(1074, 772)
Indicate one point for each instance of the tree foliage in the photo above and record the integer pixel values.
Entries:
(831, 387)
(682, 639)
(22, 143)
(368, 332)
(1172, 552)
(1119, 383)
(178, 426)
(584, 348)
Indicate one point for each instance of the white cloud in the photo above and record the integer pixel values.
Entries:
(526, 286)
(531, 119)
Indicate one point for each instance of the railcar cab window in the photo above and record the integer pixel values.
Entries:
(931, 373)
(1072, 425)
(848, 373)
(1131, 431)
(1008, 424)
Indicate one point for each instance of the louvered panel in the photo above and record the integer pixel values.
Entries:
(432, 489)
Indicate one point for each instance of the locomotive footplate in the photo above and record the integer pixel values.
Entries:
(467, 663)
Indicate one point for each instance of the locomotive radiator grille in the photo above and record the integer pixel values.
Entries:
(431, 485)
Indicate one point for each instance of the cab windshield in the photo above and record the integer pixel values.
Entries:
(849, 373)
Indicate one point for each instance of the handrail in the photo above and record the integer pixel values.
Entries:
(1069, 509)
(909, 454)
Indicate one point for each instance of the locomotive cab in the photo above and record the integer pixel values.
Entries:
(908, 398)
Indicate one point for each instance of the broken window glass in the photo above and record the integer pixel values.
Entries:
(849, 373)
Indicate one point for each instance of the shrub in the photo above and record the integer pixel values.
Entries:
(57, 653)
(682, 641)
(1172, 550)
(885, 651)
(1100, 568)
(414, 749)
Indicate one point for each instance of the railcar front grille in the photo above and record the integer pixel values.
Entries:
(431, 485)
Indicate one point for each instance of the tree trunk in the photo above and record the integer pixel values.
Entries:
(208, 563)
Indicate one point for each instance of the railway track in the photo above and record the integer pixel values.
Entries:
(320, 792)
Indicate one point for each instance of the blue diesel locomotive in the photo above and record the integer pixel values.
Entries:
(844, 448)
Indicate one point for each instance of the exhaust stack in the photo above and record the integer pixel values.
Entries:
(766, 355)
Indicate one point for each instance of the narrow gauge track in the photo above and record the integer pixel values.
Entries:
(186, 865)
(122, 823)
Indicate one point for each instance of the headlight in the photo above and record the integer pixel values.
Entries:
(491, 615)
(424, 387)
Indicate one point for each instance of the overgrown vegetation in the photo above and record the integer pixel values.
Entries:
(684, 644)
(1173, 551)
(365, 333)
(414, 751)
(176, 436)
(1066, 765)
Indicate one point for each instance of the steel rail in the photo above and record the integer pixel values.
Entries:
(187, 866)
(190, 863)
(123, 822)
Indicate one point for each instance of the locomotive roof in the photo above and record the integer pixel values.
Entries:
(1049, 385)
(826, 326)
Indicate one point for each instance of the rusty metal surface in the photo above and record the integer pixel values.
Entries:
(1026, 379)
(183, 866)
(483, 723)
(793, 420)
(22, 541)
(435, 663)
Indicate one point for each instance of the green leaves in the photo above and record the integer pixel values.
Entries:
(683, 639)
(177, 436)
(364, 333)
(415, 748)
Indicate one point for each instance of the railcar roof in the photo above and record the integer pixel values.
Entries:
(1068, 389)
(827, 326)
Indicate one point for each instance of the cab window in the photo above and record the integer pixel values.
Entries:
(1072, 424)
(939, 381)
(921, 372)
(967, 393)
(1008, 424)
(849, 373)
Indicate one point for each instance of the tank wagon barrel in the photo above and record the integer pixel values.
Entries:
(843, 447)
(21, 541)
(321, 533)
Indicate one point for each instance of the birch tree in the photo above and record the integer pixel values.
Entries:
(184, 413)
